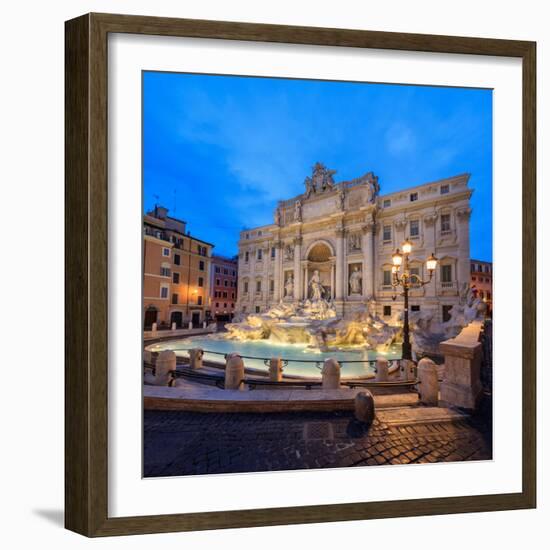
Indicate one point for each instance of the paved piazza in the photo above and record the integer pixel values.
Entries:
(183, 443)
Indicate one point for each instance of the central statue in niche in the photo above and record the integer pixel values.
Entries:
(316, 287)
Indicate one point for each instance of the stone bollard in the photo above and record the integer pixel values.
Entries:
(331, 374)
(382, 366)
(364, 407)
(429, 384)
(408, 369)
(154, 329)
(275, 369)
(234, 372)
(173, 326)
(164, 366)
(195, 358)
(204, 324)
(190, 325)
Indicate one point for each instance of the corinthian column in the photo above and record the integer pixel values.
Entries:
(368, 260)
(277, 272)
(463, 236)
(297, 268)
(340, 271)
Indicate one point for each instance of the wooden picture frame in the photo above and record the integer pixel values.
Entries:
(86, 226)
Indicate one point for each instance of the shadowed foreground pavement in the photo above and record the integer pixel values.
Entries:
(183, 443)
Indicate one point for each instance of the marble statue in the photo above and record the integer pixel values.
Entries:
(277, 216)
(297, 211)
(355, 281)
(289, 286)
(316, 287)
(341, 200)
(289, 253)
(373, 187)
(320, 180)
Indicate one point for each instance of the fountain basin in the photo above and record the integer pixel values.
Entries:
(303, 360)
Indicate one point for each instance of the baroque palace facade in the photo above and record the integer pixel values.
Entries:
(343, 235)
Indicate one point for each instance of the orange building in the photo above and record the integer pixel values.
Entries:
(481, 281)
(223, 287)
(176, 273)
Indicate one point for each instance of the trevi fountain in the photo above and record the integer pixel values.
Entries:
(306, 334)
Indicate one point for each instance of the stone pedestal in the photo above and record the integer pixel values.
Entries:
(234, 372)
(154, 328)
(173, 327)
(461, 385)
(429, 384)
(195, 358)
(382, 366)
(331, 374)
(164, 366)
(364, 407)
(275, 369)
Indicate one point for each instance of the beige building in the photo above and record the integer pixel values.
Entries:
(343, 235)
(176, 273)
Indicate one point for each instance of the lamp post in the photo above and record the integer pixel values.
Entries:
(402, 277)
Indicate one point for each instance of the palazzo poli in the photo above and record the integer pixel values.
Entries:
(335, 241)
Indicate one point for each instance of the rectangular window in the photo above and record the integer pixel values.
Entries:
(217, 270)
(257, 309)
(258, 286)
(387, 311)
(245, 287)
(271, 285)
(246, 256)
(225, 305)
(414, 228)
(414, 197)
(387, 203)
(166, 252)
(218, 282)
(174, 298)
(387, 278)
(386, 233)
(164, 292)
(273, 252)
(201, 281)
(217, 304)
(177, 259)
(225, 282)
(225, 271)
(446, 313)
(165, 271)
(446, 273)
(474, 279)
(444, 189)
(259, 254)
(415, 308)
(232, 295)
(225, 294)
(201, 265)
(445, 222)
(176, 278)
(199, 300)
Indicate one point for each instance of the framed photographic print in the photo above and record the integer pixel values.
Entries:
(300, 280)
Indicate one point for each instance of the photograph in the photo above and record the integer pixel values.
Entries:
(317, 274)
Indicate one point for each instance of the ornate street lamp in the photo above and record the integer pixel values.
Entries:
(402, 277)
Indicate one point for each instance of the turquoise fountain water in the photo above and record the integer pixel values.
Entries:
(302, 360)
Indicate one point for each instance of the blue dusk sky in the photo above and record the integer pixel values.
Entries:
(220, 151)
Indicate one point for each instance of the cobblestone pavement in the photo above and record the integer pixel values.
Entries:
(183, 443)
